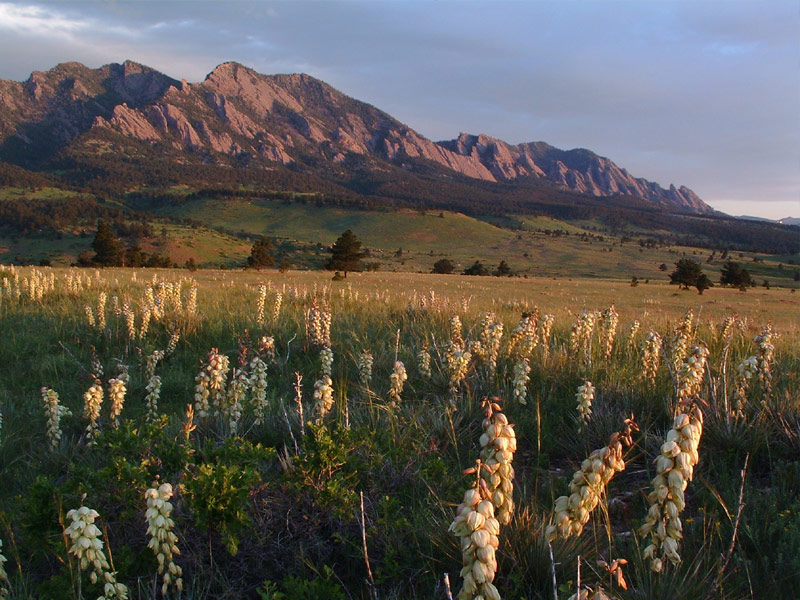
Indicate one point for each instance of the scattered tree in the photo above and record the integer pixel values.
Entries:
(686, 273)
(261, 254)
(443, 266)
(108, 250)
(503, 270)
(734, 275)
(634, 281)
(703, 283)
(347, 254)
(477, 268)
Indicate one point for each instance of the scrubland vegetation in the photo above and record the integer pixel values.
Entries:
(282, 436)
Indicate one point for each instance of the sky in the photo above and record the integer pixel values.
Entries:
(701, 93)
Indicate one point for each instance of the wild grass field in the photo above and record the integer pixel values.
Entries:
(285, 436)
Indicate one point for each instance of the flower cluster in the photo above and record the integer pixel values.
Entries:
(326, 360)
(54, 411)
(92, 401)
(651, 356)
(524, 338)
(690, 376)
(262, 300)
(632, 332)
(588, 485)
(521, 379)
(163, 542)
(323, 397)
(674, 468)
(87, 547)
(210, 383)
(101, 311)
(585, 397)
(745, 372)
(424, 361)
(318, 326)
(258, 388)
(276, 307)
(478, 529)
(231, 408)
(580, 337)
(456, 337)
(765, 351)
(608, 329)
(545, 331)
(457, 367)
(726, 334)
(365, 362)
(151, 399)
(397, 380)
(681, 340)
(498, 445)
(491, 338)
(116, 393)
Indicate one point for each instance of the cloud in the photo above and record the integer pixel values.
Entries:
(43, 21)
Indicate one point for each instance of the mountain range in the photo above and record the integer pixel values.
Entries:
(239, 118)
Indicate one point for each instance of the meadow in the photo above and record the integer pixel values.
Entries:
(286, 436)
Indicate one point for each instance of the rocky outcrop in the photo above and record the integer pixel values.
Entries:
(236, 111)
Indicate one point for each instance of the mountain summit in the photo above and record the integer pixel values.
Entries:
(240, 117)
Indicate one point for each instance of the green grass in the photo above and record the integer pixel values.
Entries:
(271, 504)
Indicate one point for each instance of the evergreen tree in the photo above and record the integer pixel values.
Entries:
(346, 254)
(703, 283)
(443, 266)
(732, 273)
(108, 250)
(477, 268)
(503, 269)
(260, 254)
(686, 273)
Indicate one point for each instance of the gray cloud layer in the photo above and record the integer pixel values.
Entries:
(700, 93)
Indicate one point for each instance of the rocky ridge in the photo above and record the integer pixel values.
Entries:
(286, 119)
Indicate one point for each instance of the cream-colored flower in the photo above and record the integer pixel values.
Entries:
(163, 541)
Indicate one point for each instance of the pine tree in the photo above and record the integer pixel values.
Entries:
(686, 273)
(347, 254)
(108, 250)
(260, 254)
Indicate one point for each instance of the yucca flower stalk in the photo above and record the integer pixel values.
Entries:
(765, 352)
(424, 361)
(276, 307)
(608, 329)
(498, 445)
(151, 399)
(151, 362)
(681, 340)
(675, 469)
(690, 376)
(545, 332)
(232, 409)
(491, 339)
(262, 300)
(571, 513)
(87, 547)
(101, 311)
(116, 394)
(524, 338)
(191, 302)
(651, 356)
(746, 371)
(365, 362)
(326, 360)
(54, 412)
(258, 388)
(92, 401)
(130, 320)
(585, 397)
(397, 380)
(521, 379)
(457, 367)
(172, 344)
(456, 337)
(633, 332)
(323, 397)
(163, 541)
(478, 530)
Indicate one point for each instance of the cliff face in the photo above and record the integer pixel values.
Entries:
(286, 119)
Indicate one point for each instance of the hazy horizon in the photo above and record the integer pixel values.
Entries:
(703, 94)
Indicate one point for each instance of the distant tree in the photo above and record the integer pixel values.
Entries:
(107, 249)
(191, 264)
(634, 281)
(84, 259)
(686, 273)
(662, 267)
(347, 254)
(477, 268)
(443, 266)
(260, 254)
(703, 283)
(765, 284)
(503, 270)
(735, 275)
(134, 257)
